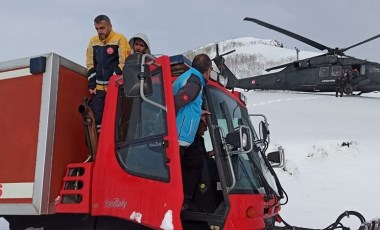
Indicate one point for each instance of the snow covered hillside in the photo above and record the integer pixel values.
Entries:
(322, 177)
(253, 55)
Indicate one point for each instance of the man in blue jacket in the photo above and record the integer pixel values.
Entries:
(188, 100)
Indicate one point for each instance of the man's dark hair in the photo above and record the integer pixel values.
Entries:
(101, 18)
(202, 63)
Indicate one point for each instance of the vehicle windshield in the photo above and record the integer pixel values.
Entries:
(230, 115)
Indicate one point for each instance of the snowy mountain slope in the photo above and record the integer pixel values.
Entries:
(252, 55)
(322, 177)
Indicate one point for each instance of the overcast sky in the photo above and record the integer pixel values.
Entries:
(36, 27)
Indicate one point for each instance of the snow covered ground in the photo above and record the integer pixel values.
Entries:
(3, 224)
(323, 178)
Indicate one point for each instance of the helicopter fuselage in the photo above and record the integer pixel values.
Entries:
(318, 74)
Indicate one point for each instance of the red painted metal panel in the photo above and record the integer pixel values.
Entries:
(20, 99)
(237, 217)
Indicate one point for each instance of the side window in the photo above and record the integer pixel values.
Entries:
(324, 71)
(374, 68)
(336, 71)
(140, 131)
(363, 67)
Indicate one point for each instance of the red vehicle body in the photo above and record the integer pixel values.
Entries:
(134, 181)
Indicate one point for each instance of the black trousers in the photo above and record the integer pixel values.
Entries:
(97, 105)
(192, 160)
(191, 178)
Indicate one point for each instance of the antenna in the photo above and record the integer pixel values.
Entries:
(297, 51)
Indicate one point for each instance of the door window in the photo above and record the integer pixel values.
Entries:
(140, 131)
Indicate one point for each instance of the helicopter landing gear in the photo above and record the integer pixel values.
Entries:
(347, 89)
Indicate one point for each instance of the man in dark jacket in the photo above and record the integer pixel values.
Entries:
(106, 54)
(339, 84)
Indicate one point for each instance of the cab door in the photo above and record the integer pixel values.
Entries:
(137, 174)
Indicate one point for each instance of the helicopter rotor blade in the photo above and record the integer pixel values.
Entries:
(290, 34)
(279, 66)
(360, 43)
(292, 63)
(228, 53)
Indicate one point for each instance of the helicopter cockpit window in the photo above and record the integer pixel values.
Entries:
(324, 71)
(374, 68)
(336, 71)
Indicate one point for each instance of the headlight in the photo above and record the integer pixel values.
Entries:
(244, 140)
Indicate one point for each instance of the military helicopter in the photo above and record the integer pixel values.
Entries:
(316, 73)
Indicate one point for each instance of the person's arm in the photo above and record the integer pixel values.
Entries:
(187, 93)
(123, 51)
(90, 67)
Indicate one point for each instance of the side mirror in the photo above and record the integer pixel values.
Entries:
(277, 158)
(132, 75)
(233, 139)
(241, 139)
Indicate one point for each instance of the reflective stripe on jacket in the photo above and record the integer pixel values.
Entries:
(104, 58)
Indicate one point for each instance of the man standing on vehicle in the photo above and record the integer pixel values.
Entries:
(106, 54)
(188, 100)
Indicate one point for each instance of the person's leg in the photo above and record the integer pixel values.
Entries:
(190, 178)
(97, 107)
(182, 151)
